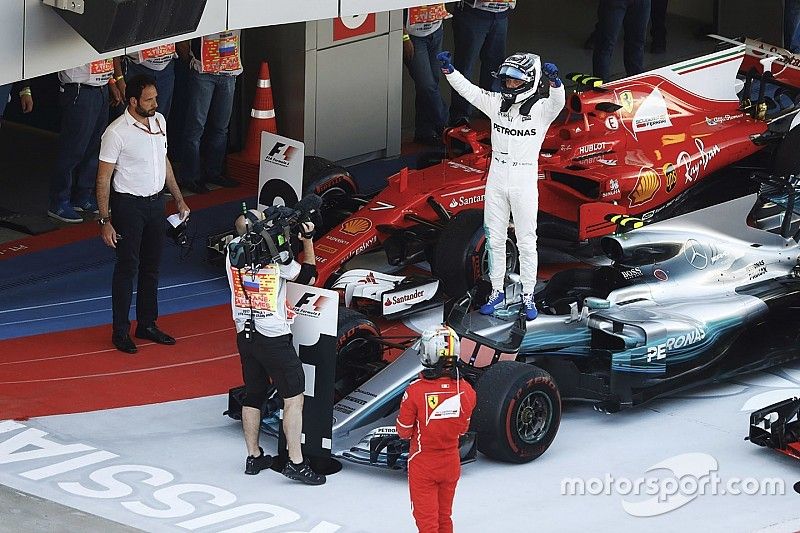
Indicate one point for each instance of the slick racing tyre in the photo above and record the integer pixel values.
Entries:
(333, 184)
(358, 356)
(461, 257)
(518, 412)
(786, 160)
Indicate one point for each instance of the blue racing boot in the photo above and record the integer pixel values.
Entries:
(530, 306)
(496, 299)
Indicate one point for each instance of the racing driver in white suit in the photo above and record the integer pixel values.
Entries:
(520, 115)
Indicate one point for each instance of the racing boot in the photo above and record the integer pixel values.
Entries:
(254, 465)
(496, 299)
(302, 472)
(530, 306)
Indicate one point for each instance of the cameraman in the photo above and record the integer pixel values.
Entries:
(258, 299)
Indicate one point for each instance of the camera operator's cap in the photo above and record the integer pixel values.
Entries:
(245, 222)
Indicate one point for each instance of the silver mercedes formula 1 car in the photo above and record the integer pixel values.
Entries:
(686, 301)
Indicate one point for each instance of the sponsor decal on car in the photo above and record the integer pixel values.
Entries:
(467, 200)
(356, 226)
(336, 180)
(716, 121)
(652, 114)
(695, 254)
(336, 239)
(671, 175)
(461, 166)
(361, 248)
(756, 270)
(613, 188)
(612, 122)
(694, 164)
(627, 101)
(326, 249)
(660, 275)
(646, 187)
(592, 148)
(660, 351)
(396, 301)
(633, 273)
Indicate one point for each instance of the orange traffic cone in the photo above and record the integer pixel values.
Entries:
(243, 166)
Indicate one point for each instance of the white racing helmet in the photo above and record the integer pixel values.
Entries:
(522, 66)
(439, 347)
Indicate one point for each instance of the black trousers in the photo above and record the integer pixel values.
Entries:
(140, 222)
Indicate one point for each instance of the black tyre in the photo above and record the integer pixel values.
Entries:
(461, 257)
(518, 412)
(357, 354)
(333, 184)
(786, 161)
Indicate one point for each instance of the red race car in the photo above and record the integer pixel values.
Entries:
(638, 147)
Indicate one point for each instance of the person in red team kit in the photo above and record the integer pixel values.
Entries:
(434, 413)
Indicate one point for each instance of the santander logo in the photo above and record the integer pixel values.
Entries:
(404, 298)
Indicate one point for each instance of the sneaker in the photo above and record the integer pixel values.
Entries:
(87, 206)
(530, 306)
(254, 465)
(65, 213)
(496, 299)
(302, 472)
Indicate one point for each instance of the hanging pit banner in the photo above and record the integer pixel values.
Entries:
(280, 174)
(315, 312)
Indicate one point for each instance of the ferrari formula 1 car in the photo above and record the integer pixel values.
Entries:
(777, 426)
(642, 146)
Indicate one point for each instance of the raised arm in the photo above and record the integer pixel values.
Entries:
(486, 101)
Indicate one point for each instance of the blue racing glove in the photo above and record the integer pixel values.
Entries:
(551, 71)
(446, 59)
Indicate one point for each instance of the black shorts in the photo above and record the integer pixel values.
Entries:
(273, 358)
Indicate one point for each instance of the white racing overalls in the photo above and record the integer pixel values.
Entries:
(511, 186)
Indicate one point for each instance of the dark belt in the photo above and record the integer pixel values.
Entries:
(484, 13)
(82, 85)
(151, 198)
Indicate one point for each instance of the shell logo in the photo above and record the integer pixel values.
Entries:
(356, 226)
(646, 186)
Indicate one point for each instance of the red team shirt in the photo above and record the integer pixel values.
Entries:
(433, 413)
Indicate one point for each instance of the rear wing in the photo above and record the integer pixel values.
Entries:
(785, 68)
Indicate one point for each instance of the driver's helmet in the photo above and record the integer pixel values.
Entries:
(524, 67)
(439, 347)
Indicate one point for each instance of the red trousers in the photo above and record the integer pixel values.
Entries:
(432, 479)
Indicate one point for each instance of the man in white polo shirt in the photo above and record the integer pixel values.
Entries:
(134, 152)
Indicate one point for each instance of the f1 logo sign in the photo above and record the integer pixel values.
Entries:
(282, 151)
(355, 26)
